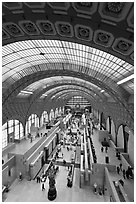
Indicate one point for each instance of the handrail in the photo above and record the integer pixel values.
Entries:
(50, 140)
(85, 150)
(90, 152)
(86, 158)
(46, 139)
(82, 144)
(81, 164)
(32, 163)
(8, 161)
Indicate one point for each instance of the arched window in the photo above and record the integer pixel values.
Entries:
(51, 114)
(12, 129)
(4, 135)
(44, 118)
(113, 131)
(60, 111)
(56, 113)
(16, 129)
(32, 120)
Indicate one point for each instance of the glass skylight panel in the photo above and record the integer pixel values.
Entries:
(62, 51)
(128, 67)
(35, 58)
(10, 58)
(23, 45)
(5, 70)
(6, 50)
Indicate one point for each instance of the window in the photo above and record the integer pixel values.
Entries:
(4, 135)
(17, 132)
(32, 120)
(11, 126)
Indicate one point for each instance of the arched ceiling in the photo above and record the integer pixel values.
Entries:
(86, 43)
(43, 87)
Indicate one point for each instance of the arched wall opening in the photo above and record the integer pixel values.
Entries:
(44, 118)
(102, 122)
(120, 136)
(108, 124)
(56, 113)
(113, 133)
(12, 130)
(51, 115)
(31, 124)
(131, 146)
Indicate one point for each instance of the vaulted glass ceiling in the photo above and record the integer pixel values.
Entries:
(59, 80)
(23, 58)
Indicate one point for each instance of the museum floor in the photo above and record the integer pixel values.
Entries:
(30, 191)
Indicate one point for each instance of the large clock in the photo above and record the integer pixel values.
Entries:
(77, 105)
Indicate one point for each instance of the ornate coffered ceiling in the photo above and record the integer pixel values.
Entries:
(108, 26)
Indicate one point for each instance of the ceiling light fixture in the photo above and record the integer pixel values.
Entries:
(126, 79)
(26, 92)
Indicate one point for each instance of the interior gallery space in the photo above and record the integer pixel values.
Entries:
(67, 101)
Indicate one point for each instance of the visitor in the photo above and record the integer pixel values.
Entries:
(64, 162)
(95, 187)
(130, 172)
(43, 188)
(127, 174)
(102, 149)
(116, 183)
(124, 173)
(118, 169)
(20, 176)
(100, 190)
(120, 165)
(31, 138)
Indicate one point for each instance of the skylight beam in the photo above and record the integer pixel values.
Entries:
(125, 79)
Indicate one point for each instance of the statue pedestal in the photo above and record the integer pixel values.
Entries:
(52, 193)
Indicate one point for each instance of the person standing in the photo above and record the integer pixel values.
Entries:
(118, 169)
(42, 184)
(120, 165)
(102, 149)
(127, 174)
(95, 187)
(124, 173)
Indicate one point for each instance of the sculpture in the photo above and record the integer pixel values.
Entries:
(52, 193)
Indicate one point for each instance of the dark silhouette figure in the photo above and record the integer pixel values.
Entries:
(120, 165)
(118, 169)
(102, 149)
(124, 174)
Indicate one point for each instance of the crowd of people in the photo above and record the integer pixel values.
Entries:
(126, 173)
